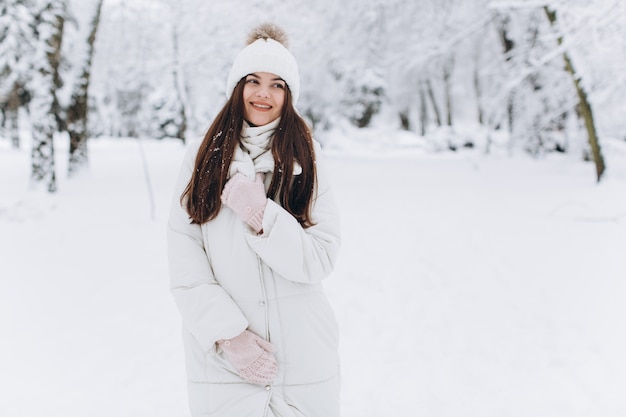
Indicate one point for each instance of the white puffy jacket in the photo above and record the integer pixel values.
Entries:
(225, 279)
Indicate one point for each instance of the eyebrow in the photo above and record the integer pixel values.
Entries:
(273, 79)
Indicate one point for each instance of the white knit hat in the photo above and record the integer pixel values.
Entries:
(266, 53)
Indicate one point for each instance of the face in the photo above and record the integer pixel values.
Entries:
(263, 96)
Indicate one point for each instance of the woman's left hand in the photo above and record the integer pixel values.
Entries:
(247, 199)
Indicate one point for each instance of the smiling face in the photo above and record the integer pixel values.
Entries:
(263, 96)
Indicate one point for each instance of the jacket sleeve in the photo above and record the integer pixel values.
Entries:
(298, 254)
(207, 310)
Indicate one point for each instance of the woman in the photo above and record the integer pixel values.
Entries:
(252, 232)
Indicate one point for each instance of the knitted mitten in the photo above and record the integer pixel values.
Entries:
(252, 356)
(247, 199)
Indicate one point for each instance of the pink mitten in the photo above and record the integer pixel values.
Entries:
(252, 357)
(246, 198)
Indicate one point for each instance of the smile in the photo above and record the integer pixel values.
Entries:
(261, 106)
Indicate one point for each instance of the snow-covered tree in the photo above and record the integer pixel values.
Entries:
(176, 125)
(77, 108)
(550, 52)
(129, 84)
(539, 92)
(16, 46)
(584, 103)
(49, 19)
(427, 56)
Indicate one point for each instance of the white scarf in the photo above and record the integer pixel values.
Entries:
(254, 155)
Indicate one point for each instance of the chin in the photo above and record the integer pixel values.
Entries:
(258, 121)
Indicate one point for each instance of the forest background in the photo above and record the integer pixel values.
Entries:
(542, 77)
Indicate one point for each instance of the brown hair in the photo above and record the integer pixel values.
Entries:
(292, 142)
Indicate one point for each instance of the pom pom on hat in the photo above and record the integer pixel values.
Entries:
(268, 31)
(266, 52)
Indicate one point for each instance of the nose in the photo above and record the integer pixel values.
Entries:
(263, 92)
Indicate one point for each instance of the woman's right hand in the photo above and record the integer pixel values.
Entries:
(252, 356)
(246, 198)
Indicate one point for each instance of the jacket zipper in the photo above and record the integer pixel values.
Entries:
(265, 302)
(267, 329)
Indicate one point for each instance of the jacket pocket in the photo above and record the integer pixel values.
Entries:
(207, 366)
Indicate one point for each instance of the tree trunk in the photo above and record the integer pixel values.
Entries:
(423, 109)
(44, 105)
(585, 105)
(78, 110)
(507, 46)
(405, 123)
(11, 114)
(447, 74)
(180, 87)
(433, 101)
(479, 96)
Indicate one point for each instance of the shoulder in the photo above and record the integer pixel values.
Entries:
(321, 166)
(192, 151)
(317, 147)
(193, 147)
(318, 152)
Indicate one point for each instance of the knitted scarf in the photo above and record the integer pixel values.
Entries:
(254, 153)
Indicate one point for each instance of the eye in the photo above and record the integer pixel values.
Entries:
(252, 81)
(278, 85)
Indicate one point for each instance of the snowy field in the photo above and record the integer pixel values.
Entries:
(468, 286)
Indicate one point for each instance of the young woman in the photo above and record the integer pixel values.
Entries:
(253, 231)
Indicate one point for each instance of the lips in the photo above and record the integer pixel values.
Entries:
(261, 106)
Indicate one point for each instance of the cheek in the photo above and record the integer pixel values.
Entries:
(246, 92)
(279, 98)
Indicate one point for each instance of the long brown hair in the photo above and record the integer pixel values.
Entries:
(292, 142)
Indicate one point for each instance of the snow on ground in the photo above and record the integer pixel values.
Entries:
(467, 285)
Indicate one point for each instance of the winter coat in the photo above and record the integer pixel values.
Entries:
(225, 279)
